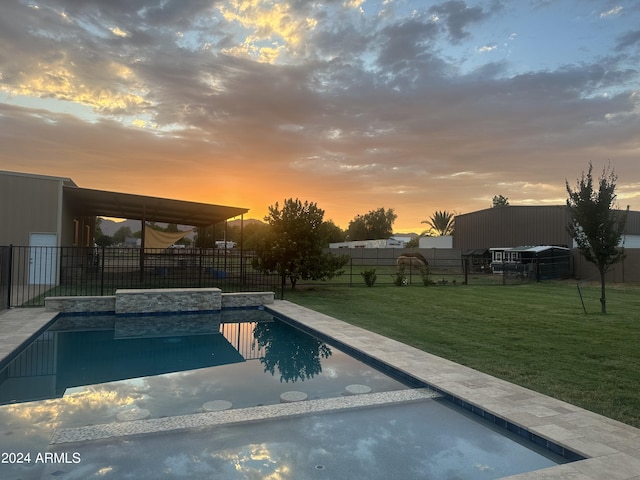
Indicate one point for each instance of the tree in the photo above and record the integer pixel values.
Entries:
(441, 222)
(332, 233)
(294, 357)
(373, 225)
(357, 230)
(121, 235)
(594, 223)
(252, 235)
(294, 244)
(500, 201)
(101, 239)
(413, 243)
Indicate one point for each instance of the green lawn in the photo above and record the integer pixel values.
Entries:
(535, 335)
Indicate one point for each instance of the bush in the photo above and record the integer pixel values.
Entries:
(425, 274)
(399, 279)
(369, 277)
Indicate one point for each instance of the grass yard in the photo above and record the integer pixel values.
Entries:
(534, 335)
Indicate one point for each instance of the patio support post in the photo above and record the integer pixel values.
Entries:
(242, 272)
(225, 246)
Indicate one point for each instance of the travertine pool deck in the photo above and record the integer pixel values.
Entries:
(611, 448)
(18, 326)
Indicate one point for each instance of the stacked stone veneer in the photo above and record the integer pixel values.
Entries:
(167, 300)
(247, 299)
(133, 301)
(80, 304)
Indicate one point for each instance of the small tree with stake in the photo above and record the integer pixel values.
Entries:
(595, 224)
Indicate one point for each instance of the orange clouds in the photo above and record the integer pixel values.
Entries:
(353, 105)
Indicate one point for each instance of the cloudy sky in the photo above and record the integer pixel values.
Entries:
(354, 104)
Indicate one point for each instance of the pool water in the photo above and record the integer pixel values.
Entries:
(246, 363)
(419, 440)
(101, 369)
(89, 370)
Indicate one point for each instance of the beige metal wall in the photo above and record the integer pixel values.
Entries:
(627, 271)
(28, 204)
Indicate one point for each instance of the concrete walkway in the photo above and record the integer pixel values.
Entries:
(611, 448)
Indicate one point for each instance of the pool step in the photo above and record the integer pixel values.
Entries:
(227, 417)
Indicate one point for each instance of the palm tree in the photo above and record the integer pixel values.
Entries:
(442, 223)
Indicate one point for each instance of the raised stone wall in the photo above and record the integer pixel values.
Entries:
(247, 299)
(167, 300)
(132, 301)
(80, 304)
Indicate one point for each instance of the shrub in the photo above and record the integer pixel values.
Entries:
(399, 279)
(369, 277)
(425, 274)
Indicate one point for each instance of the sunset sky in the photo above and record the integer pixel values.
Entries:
(354, 104)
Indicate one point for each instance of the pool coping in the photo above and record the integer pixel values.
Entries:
(18, 326)
(611, 449)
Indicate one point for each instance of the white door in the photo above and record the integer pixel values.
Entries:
(43, 256)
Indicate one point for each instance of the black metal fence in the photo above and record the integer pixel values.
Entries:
(29, 274)
(445, 267)
(33, 273)
(5, 277)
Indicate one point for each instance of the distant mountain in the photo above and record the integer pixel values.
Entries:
(109, 227)
(247, 221)
(411, 234)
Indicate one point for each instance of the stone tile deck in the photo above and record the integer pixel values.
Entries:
(612, 448)
(18, 326)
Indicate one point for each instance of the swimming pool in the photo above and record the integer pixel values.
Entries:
(89, 370)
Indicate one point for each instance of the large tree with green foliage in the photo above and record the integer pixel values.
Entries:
(595, 224)
(441, 223)
(373, 225)
(294, 244)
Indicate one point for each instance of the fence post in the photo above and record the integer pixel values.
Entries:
(465, 266)
(282, 285)
(101, 260)
(10, 276)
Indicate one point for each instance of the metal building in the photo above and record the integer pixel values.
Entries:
(517, 225)
(513, 226)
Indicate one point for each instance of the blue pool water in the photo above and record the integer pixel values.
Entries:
(89, 370)
(172, 365)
